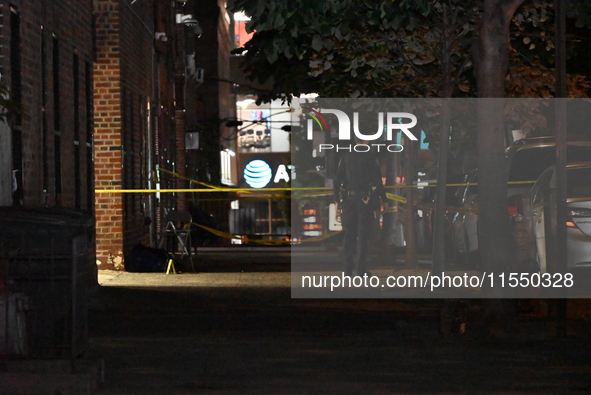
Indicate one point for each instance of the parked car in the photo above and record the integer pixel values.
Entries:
(453, 202)
(578, 222)
(526, 160)
(464, 222)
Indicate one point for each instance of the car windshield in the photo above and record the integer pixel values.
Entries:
(529, 163)
(578, 182)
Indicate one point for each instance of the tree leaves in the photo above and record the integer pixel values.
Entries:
(381, 48)
(317, 43)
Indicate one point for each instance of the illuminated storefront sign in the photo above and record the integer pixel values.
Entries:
(258, 173)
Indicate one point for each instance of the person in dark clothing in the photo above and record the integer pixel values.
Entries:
(357, 191)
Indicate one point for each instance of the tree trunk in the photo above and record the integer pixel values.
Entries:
(561, 158)
(410, 149)
(439, 220)
(491, 61)
(440, 203)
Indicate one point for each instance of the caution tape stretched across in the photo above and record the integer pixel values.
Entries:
(187, 178)
(246, 239)
(301, 192)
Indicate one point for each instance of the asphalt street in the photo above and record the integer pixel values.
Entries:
(233, 328)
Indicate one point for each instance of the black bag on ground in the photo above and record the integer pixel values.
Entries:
(146, 259)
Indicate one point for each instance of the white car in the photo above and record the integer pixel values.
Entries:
(578, 224)
(526, 160)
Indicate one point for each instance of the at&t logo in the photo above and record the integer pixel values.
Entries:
(258, 174)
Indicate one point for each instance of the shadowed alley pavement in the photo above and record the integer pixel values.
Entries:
(232, 328)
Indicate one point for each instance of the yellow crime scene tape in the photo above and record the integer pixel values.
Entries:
(397, 198)
(188, 179)
(302, 192)
(246, 239)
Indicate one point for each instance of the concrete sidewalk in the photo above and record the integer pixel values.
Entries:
(190, 334)
(113, 278)
(233, 328)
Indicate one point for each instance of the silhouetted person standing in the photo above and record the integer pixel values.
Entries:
(357, 191)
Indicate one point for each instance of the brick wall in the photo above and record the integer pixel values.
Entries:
(48, 38)
(137, 40)
(135, 121)
(46, 53)
(108, 158)
(105, 94)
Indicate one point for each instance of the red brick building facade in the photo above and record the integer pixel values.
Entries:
(107, 90)
(155, 78)
(46, 63)
(135, 129)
